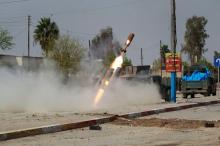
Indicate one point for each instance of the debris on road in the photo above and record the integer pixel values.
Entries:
(95, 127)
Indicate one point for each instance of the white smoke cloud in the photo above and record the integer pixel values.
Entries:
(126, 93)
(44, 91)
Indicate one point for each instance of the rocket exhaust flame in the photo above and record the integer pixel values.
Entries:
(127, 42)
(106, 83)
(99, 95)
(117, 63)
(107, 78)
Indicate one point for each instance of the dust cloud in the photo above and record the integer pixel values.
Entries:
(129, 93)
(43, 91)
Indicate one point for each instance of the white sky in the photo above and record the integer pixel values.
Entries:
(82, 19)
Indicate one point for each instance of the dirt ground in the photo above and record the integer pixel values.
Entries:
(16, 121)
(191, 127)
(167, 123)
(124, 135)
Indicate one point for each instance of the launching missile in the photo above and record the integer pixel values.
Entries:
(130, 38)
(128, 42)
(113, 71)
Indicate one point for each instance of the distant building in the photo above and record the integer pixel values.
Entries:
(23, 62)
(136, 70)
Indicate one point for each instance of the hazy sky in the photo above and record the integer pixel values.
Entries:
(82, 19)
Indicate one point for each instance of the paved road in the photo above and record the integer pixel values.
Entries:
(209, 113)
(117, 135)
(15, 121)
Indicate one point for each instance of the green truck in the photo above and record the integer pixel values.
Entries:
(203, 82)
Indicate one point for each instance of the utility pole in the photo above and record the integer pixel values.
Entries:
(29, 24)
(89, 53)
(218, 78)
(173, 48)
(161, 59)
(173, 26)
(141, 57)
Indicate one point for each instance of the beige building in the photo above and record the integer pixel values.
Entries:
(23, 62)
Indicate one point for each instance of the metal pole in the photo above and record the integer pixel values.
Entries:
(89, 53)
(28, 58)
(218, 78)
(141, 57)
(161, 60)
(218, 75)
(173, 47)
(29, 23)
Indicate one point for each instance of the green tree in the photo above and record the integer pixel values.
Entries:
(205, 62)
(126, 62)
(67, 53)
(216, 54)
(185, 65)
(45, 34)
(103, 44)
(163, 50)
(195, 37)
(156, 64)
(5, 39)
(110, 57)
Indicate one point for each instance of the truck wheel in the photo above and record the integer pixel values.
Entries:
(214, 93)
(192, 95)
(185, 96)
(163, 92)
(168, 95)
(208, 93)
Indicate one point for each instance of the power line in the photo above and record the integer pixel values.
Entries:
(13, 17)
(14, 1)
(75, 32)
(10, 22)
(11, 25)
(81, 35)
(148, 47)
(122, 4)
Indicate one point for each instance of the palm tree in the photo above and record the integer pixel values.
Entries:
(6, 40)
(45, 34)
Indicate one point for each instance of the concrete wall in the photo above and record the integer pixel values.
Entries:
(23, 62)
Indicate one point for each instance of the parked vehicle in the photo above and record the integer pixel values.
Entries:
(198, 80)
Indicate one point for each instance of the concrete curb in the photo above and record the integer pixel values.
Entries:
(69, 126)
(53, 128)
(168, 109)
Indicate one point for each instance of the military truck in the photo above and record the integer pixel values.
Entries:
(197, 79)
(136, 73)
(142, 74)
